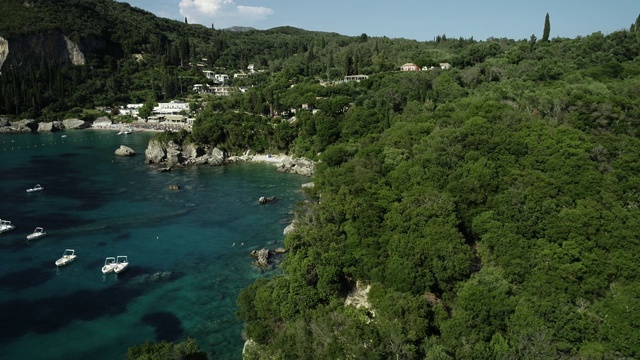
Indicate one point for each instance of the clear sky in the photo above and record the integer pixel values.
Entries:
(412, 19)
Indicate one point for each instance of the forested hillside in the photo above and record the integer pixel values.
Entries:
(493, 207)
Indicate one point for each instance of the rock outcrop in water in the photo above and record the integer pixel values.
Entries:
(30, 125)
(21, 126)
(124, 151)
(300, 166)
(171, 154)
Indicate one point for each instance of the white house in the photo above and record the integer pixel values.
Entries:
(211, 75)
(173, 107)
(355, 78)
(221, 78)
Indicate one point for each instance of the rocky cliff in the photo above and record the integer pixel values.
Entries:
(53, 46)
(171, 154)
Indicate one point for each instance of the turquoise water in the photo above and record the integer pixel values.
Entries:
(184, 274)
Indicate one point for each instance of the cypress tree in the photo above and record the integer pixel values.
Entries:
(547, 29)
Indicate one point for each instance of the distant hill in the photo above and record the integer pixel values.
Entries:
(240, 28)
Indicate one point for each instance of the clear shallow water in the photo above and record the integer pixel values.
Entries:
(184, 274)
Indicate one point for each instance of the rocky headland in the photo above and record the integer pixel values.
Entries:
(169, 154)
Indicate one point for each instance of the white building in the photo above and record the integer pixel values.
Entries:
(173, 107)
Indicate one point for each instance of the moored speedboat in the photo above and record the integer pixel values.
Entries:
(109, 264)
(6, 225)
(68, 256)
(38, 187)
(121, 264)
(36, 234)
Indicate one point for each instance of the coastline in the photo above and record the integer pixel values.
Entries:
(134, 127)
(265, 158)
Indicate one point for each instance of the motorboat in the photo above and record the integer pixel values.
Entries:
(121, 264)
(109, 265)
(6, 225)
(38, 187)
(68, 256)
(125, 131)
(36, 234)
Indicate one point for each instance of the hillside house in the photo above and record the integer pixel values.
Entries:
(356, 78)
(409, 67)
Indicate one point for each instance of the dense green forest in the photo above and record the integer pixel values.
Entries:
(492, 207)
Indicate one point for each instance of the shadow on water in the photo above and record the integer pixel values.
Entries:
(53, 313)
(24, 279)
(167, 326)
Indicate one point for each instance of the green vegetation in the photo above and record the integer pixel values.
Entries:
(492, 207)
(185, 350)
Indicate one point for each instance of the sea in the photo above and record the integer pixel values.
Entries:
(188, 249)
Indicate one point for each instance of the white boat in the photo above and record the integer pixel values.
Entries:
(35, 188)
(6, 225)
(68, 256)
(109, 264)
(125, 132)
(121, 264)
(36, 234)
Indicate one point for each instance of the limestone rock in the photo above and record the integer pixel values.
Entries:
(216, 157)
(74, 124)
(125, 151)
(75, 55)
(4, 50)
(174, 154)
(29, 123)
(301, 166)
(102, 121)
(192, 152)
(49, 126)
(4, 121)
(155, 153)
(290, 228)
(261, 256)
(266, 200)
(14, 129)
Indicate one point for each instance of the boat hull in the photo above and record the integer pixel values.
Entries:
(107, 269)
(120, 268)
(35, 236)
(64, 261)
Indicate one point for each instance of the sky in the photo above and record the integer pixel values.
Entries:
(420, 20)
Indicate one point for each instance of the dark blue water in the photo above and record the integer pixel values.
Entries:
(184, 274)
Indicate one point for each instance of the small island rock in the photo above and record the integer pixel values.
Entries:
(125, 151)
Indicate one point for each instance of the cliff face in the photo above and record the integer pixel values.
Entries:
(4, 50)
(52, 46)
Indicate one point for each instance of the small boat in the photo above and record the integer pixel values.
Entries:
(36, 234)
(68, 256)
(125, 132)
(35, 188)
(121, 264)
(109, 265)
(6, 225)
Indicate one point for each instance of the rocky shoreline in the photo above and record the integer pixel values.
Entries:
(169, 155)
(31, 125)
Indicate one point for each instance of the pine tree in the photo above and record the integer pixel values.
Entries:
(547, 29)
(635, 27)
